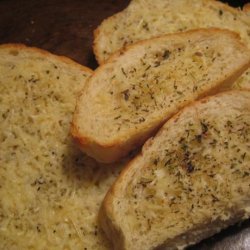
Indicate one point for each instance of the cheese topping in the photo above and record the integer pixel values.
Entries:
(195, 173)
(50, 192)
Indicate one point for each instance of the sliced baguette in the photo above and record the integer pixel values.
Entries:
(130, 97)
(50, 193)
(144, 19)
(190, 181)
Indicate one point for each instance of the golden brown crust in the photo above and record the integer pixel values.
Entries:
(107, 153)
(46, 53)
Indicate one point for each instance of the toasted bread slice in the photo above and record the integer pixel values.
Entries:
(190, 181)
(50, 193)
(130, 97)
(144, 19)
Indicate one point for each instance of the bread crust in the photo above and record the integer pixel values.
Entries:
(45, 161)
(107, 215)
(108, 153)
(98, 31)
(115, 150)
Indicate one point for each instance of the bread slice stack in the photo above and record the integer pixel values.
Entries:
(192, 179)
(139, 88)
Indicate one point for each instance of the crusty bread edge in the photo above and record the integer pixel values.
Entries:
(97, 31)
(106, 215)
(114, 151)
(45, 53)
(109, 153)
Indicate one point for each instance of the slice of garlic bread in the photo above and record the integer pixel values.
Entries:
(130, 97)
(144, 19)
(190, 181)
(50, 192)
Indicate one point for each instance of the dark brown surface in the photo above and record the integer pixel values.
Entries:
(65, 27)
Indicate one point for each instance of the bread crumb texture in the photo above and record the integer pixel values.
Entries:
(194, 173)
(50, 192)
